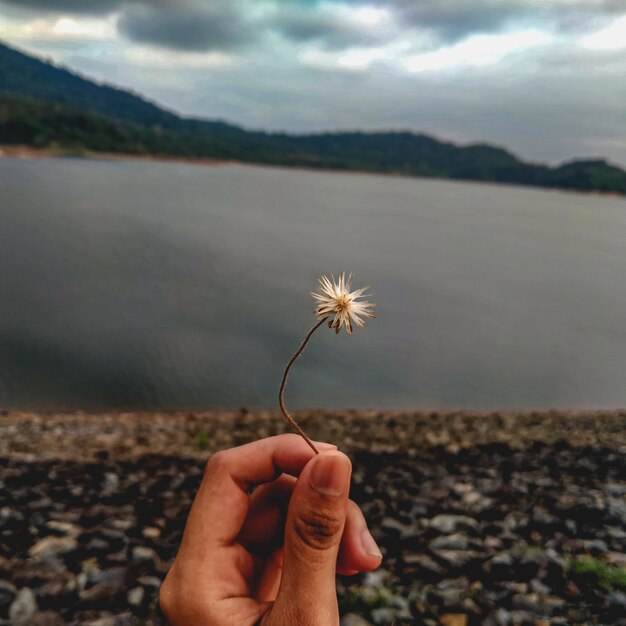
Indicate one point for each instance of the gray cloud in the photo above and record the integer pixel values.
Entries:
(187, 26)
(226, 24)
(453, 20)
(94, 7)
(329, 29)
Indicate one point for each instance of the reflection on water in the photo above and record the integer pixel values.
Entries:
(130, 284)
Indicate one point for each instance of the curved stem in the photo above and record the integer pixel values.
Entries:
(281, 392)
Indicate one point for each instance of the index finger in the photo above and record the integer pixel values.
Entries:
(221, 504)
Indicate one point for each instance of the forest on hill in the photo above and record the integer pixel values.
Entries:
(45, 106)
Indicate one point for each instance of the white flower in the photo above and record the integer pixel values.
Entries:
(335, 299)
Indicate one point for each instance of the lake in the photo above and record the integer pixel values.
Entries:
(165, 285)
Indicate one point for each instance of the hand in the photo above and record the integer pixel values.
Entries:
(268, 555)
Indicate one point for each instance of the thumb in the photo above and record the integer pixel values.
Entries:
(313, 531)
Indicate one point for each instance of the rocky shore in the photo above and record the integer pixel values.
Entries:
(492, 519)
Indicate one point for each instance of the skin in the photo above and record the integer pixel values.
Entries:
(270, 527)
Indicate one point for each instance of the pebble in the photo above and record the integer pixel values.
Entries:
(24, 605)
(448, 524)
(51, 546)
(136, 596)
(352, 619)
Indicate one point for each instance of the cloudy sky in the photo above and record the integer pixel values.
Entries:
(546, 78)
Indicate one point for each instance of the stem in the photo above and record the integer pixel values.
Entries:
(281, 392)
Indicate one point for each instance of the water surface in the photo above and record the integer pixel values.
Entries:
(141, 284)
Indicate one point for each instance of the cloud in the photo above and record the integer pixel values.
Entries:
(93, 7)
(211, 25)
(334, 28)
(194, 26)
(453, 20)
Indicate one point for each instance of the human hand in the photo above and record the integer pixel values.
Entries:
(268, 555)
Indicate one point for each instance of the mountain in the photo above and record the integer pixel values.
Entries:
(46, 106)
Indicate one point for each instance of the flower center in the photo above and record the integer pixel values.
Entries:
(343, 302)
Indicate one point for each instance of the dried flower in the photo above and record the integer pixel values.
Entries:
(336, 299)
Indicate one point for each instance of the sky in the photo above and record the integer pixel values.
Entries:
(544, 78)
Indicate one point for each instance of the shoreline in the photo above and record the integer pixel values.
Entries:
(82, 436)
(28, 152)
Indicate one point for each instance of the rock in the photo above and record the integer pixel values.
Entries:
(352, 619)
(149, 581)
(65, 528)
(122, 619)
(449, 542)
(616, 558)
(422, 567)
(111, 482)
(453, 619)
(383, 615)
(448, 594)
(142, 553)
(136, 596)
(617, 602)
(24, 605)
(44, 618)
(52, 546)
(151, 532)
(112, 576)
(458, 558)
(448, 524)
(595, 546)
(8, 591)
(395, 528)
(100, 592)
(538, 587)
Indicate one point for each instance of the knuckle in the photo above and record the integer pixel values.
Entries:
(177, 598)
(216, 463)
(319, 530)
(166, 598)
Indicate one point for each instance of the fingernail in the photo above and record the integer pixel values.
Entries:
(369, 545)
(322, 445)
(331, 474)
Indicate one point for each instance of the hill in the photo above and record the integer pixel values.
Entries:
(46, 106)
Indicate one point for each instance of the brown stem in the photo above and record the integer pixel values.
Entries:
(281, 392)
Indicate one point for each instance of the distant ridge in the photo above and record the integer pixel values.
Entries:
(45, 106)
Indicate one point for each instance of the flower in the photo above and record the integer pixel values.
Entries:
(335, 299)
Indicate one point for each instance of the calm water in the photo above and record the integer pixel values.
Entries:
(166, 285)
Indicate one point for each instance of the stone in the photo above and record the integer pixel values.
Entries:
(422, 567)
(142, 553)
(458, 558)
(616, 558)
(111, 482)
(149, 581)
(53, 546)
(456, 541)
(100, 592)
(453, 619)
(383, 615)
(8, 591)
(44, 618)
(352, 619)
(136, 596)
(448, 524)
(65, 528)
(151, 532)
(448, 594)
(617, 600)
(24, 605)
(396, 528)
